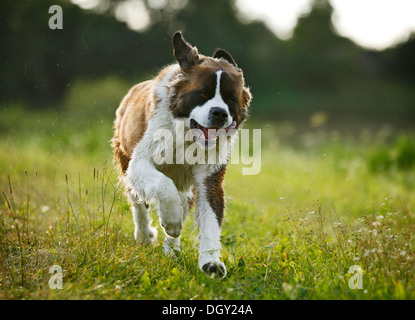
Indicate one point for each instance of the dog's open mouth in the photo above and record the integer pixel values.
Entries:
(208, 135)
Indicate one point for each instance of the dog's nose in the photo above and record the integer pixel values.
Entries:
(218, 116)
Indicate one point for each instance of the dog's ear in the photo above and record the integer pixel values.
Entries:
(246, 101)
(186, 55)
(220, 53)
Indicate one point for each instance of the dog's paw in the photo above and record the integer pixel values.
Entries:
(147, 237)
(172, 229)
(215, 269)
(171, 219)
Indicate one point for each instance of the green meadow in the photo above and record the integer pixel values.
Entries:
(325, 200)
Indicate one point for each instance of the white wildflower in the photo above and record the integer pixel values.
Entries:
(369, 251)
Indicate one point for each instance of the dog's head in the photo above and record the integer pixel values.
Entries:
(210, 91)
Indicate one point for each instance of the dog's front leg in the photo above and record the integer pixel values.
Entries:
(173, 244)
(210, 206)
(150, 184)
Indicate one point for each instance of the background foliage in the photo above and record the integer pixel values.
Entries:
(316, 70)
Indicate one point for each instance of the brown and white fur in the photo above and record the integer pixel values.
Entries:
(200, 92)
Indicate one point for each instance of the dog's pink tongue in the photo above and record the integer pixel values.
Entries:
(213, 134)
(209, 136)
(232, 126)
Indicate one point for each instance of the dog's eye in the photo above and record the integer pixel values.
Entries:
(203, 95)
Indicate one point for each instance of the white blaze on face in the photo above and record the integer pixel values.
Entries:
(201, 113)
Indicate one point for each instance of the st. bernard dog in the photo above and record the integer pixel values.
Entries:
(206, 96)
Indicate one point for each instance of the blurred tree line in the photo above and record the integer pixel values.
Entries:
(315, 70)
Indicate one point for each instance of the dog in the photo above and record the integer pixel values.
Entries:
(206, 96)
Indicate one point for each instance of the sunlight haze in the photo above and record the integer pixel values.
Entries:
(372, 24)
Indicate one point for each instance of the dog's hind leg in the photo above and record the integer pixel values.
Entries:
(143, 231)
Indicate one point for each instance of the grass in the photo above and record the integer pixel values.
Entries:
(292, 232)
